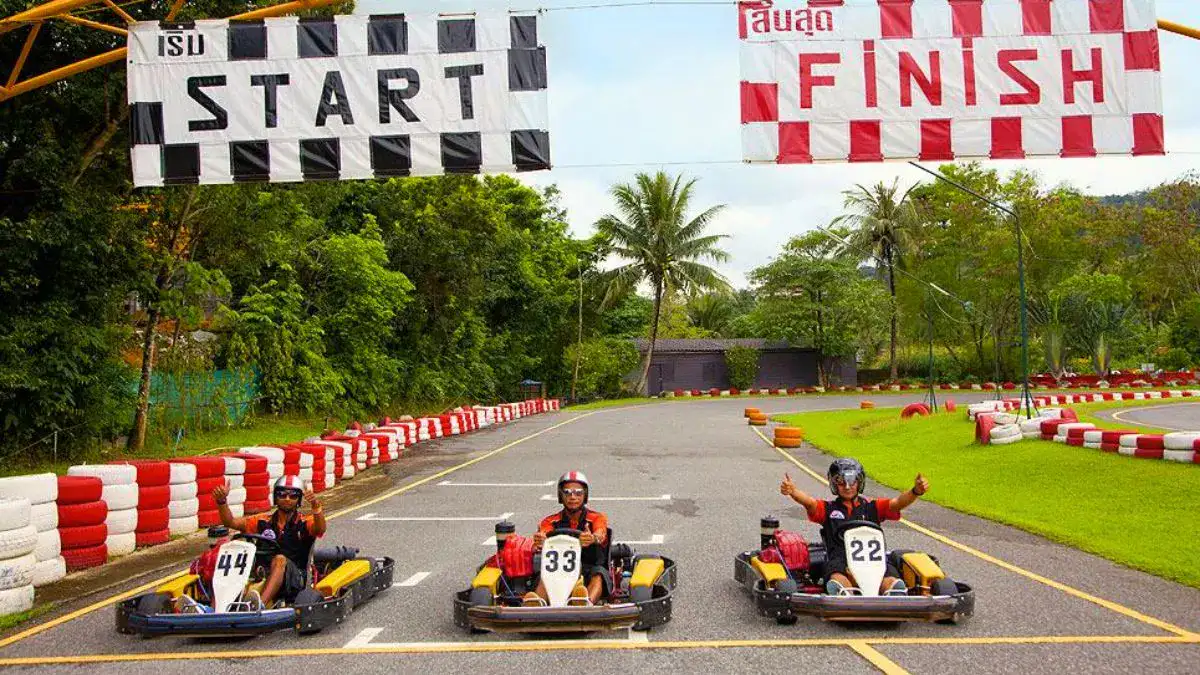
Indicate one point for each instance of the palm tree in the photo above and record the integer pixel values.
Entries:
(882, 219)
(659, 245)
(711, 311)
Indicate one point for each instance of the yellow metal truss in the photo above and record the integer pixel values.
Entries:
(70, 11)
(65, 10)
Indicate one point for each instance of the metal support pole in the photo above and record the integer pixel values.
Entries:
(929, 313)
(1028, 401)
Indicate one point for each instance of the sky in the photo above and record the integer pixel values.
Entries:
(648, 88)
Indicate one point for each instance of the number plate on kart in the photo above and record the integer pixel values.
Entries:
(561, 559)
(235, 562)
(866, 558)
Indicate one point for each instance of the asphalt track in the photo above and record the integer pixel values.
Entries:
(693, 476)
(1169, 416)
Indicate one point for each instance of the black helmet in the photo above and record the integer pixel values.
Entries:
(850, 472)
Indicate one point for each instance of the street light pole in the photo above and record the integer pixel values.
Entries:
(929, 314)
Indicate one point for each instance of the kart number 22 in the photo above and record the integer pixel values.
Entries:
(226, 562)
(568, 561)
(873, 550)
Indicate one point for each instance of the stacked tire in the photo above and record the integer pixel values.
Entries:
(210, 473)
(81, 516)
(235, 482)
(183, 505)
(41, 491)
(154, 497)
(120, 493)
(274, 467)
(18, 541)
(256, 483)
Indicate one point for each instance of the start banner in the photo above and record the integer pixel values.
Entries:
(343, 97)
(874, 80)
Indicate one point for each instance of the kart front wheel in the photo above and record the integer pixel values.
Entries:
(946, 587)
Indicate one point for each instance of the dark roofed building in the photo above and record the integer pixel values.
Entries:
(700, 364)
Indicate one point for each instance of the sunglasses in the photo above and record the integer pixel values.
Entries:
(573, 492)
(289, 494)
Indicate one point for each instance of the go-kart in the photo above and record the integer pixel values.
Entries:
(787, 578)
(228, 604)
(638, 587)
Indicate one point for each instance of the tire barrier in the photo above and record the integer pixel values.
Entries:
(52, 525)
(758, 420)
(120, 494)
(788, 437)
(866, 405)
(40, 494)
(750, 411)
(950, 405)
(914, 409)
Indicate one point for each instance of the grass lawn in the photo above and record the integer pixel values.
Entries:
(1094, 501)
(263, 430)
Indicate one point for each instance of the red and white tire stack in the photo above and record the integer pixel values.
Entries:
(274, 468)
(235, 483)
(256, 482)
(41, 491)
(81, 516)
(183, 504)
(1182, 446)
(18, 540)
(323, 471)
(121, 495)
(210, 473)
(154, 495)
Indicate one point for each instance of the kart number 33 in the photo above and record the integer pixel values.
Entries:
(226, 563)
(870, 550)
(568, 561)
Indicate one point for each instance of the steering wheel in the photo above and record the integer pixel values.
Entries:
(841, 529)
(264, 549)
(567, 531)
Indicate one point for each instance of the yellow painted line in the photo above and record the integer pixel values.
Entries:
(43, 627)
(1069, 590)
(883, 663)
(584, 645)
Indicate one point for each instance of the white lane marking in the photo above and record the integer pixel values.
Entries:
(377, 517)
(450, 483)
(413, 580)
(654, 539)
(364, 641)
(660, 498)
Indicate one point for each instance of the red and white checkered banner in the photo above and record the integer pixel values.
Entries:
(874, 80)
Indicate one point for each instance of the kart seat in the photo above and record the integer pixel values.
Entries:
(333, 555)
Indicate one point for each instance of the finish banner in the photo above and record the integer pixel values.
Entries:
(937, 80)
(291, 99)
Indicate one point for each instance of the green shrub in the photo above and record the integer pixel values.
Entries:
(1175, 358)
(602, 365)
(742, 363)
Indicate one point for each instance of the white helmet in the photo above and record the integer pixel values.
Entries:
(573, 477)
(289, 483)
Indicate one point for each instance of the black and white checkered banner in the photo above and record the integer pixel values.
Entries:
(346, 97)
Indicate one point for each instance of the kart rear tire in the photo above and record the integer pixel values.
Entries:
(788, 620)
(480, 597)
(946, 586)
(640, 594)
(153, 603)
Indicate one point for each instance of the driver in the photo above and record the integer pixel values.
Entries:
(286, 526)
(573, 495)
(847, 478)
